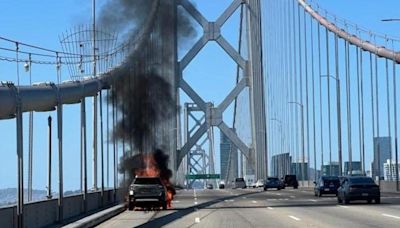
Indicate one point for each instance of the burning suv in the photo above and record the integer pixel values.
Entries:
(147, 190)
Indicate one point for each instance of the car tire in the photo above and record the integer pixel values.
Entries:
(339, 200)
(265, 189)
(295, 187)
(378, 200)
(319, 193)
(346, 201)
(131, 206)
(279, 189)
(164, 205)
(369, 201)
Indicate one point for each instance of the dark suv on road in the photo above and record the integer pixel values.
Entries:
(291, 181)
(358, 188)
(147, 190)
(272, 182)
(326, 185)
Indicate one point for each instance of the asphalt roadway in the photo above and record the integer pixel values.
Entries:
(256, 208)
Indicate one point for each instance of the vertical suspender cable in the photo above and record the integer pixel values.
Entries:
(395, 124)
(291, 75)
(313, 98)
(377, 117)
(348, 96)
(60, 151)
(308, 118)
(320, 97)
(84, 152)
(301, 98)
(329, 99)
(362, 112)
(30, 152)
(20, 155)
(101, 146)
(388, 115)
(338, 106)
(108, 138)
(114, 144)
(359, 102)
(372, 110)
(295, 92)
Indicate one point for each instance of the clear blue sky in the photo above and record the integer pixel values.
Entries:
(211, 74)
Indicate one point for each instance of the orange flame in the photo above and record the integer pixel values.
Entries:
(152, 170)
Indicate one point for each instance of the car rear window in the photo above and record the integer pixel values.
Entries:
(147, 181)
(361, 180)
(239, 179)
(273, 179)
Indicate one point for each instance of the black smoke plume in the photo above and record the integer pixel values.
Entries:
(144, 89)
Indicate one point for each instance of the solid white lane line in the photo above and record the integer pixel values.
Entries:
(343, 206)
(391, 216)
(254, 201)
(293, 217)
(270, 208)
(197, 220)
(229, 200)
(292, 196)
(176, 201)
(313, 200)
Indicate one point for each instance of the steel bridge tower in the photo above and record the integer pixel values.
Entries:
(251, 66)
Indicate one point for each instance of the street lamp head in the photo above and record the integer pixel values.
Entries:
(390, 19)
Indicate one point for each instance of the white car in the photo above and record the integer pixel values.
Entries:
(260, 183)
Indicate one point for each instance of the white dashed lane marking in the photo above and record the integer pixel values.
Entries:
(391, 216)
(294, 218)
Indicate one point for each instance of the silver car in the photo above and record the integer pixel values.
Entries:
(147, 190)
(240, 183)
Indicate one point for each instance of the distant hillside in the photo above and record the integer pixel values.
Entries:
(8, 196)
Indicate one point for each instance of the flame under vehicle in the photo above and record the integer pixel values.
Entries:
(145, 191)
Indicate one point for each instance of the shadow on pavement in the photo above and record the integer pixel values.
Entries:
(180, 213)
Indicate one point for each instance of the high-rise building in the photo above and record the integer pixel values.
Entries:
(297, 169)
(355, 167)
(382, 151)
(280, 165)
(229, 159)
(326, 169)
(387, 166)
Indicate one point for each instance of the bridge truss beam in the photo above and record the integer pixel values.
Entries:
(253, 78)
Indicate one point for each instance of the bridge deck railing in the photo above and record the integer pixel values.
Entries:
(44, 213)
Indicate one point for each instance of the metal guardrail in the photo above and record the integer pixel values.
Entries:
(44, 213)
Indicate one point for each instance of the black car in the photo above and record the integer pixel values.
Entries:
(239, 183)
(147, 190)
(291, 181)
(272, 182)
(358, 188)
(326, 185)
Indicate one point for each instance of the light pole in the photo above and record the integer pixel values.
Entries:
(339, 121)
(395, 113)
(282, 140)
(302, 137)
